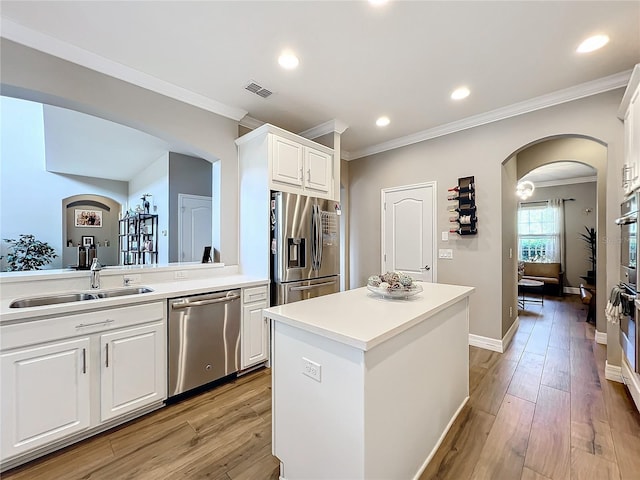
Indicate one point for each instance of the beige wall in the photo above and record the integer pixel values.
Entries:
(33, 75)
(481, 151)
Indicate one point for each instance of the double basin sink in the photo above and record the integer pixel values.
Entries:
(76, 297)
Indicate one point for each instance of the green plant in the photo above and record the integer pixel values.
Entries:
(590, 239)
(27, 253)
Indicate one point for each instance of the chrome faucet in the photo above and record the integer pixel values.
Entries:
(95, 273)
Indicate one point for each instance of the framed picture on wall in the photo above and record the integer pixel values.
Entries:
(88, 240)
(88, 218)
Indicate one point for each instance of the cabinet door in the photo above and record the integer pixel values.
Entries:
(45, 394)
(632, 138)
(286, 161)
(255, 335)
(318, 170)
(133, 369)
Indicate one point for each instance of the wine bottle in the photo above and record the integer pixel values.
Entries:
(454, 189)
(465, 230)
(463, 197)
(464, 189)
(464, 209)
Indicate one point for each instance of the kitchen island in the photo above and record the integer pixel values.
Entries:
(367, 387)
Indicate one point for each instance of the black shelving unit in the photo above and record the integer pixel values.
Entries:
(138, 239)
(466, 221)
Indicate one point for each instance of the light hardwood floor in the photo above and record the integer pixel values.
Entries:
(542, 410)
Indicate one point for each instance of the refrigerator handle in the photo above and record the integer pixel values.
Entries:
(314, 238)
(319, 229)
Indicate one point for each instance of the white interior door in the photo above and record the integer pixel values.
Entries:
(195, 226)
(408, 227)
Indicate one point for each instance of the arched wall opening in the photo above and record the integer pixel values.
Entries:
(545, 151)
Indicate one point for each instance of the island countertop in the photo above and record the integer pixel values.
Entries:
(361, 318)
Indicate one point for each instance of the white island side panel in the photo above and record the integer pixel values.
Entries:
(415, 384)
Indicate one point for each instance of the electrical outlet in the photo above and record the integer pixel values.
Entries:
(511, 253)
(131, 280)
(311, 369)
(445, 236)
(510, 312)
(180, 275)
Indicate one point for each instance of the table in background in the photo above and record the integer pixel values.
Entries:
(527, 283)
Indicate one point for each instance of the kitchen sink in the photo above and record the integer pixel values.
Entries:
(122, 292)
(76, 297)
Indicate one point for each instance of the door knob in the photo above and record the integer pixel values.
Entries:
(427, 268)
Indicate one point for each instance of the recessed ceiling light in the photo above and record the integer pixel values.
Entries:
(460, 93)
(377, 3)
(288, 60)
(383, 121)
(593, 43)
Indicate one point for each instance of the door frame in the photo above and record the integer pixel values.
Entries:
(181, 198)
(434, 219)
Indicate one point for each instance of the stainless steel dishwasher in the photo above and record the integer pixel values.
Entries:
(204, 339)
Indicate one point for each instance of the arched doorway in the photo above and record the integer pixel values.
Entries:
(546, 151)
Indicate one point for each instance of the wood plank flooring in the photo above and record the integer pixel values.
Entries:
(543, 410)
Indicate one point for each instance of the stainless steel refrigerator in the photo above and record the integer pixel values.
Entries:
(305, 247)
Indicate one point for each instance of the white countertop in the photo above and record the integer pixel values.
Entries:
(362, 319)
(161, 291)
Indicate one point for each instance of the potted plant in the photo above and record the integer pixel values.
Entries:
(590, 240)
(27, 253)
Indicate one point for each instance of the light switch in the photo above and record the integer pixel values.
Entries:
(445, 253)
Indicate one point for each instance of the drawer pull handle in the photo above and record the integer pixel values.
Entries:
(84, 360)
(106, 364)
(105, 322)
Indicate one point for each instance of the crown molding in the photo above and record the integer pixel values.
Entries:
(330, 126)
(558, 97)
(634, 81)
(31, 38)
(250, 122)
(567, 181)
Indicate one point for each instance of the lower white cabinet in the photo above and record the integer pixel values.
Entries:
(45, 394)
(255, 335)
(62, 376)
(133, 369)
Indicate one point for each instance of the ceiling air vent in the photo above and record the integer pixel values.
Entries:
(258, 89)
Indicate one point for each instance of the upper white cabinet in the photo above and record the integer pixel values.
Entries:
(291, 163)
(629, 112)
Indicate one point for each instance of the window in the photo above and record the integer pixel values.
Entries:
(538, 234)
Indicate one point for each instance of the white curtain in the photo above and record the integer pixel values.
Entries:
(557, 244)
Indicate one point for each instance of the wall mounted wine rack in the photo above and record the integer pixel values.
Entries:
(466, 220)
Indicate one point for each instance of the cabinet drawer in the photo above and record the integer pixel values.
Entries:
(255, 294)
(40, 331)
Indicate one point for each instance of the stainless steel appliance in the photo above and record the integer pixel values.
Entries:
(629, 334)
(204, 339)
(305, 247)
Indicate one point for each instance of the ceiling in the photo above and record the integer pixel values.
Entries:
(560, 172)
(357, 61)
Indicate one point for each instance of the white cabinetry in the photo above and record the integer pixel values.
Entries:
(74, 375)
(255, 328)
(45, 394)
(132, 372)
(629, 112)
(308, 169)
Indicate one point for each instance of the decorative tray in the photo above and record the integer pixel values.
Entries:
(396, 293)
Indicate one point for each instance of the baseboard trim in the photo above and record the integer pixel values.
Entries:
(601, 337)
(613, 372)
(440, 440)
(506, 340)
(485, 343)
(488, 343)
(632, 381)
(572, 290)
